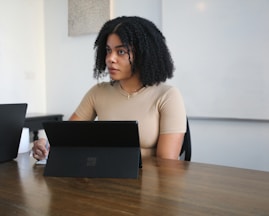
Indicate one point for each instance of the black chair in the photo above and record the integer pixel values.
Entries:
(185, 153)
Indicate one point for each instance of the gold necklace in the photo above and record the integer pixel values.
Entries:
(129, 93)
(132, 91)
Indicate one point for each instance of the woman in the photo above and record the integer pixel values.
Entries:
(133, 52)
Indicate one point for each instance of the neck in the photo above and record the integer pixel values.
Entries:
(131, 88)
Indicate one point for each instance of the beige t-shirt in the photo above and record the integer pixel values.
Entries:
(159, 109)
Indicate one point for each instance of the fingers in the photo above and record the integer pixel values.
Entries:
(39, 149)
(38, 155)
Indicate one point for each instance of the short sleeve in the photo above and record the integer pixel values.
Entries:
(85, 109)
(172, 112)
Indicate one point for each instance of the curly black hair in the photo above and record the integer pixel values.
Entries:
(151, 55)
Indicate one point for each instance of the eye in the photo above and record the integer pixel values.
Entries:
(108, 50)
(122, 52)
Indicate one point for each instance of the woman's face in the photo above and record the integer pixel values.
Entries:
(118, 60)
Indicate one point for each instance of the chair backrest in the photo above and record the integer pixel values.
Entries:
(185, 153)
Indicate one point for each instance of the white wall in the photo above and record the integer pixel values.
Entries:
(150, 9)
(221, 50)
(230, 142)
(22, 67)
(69, 61)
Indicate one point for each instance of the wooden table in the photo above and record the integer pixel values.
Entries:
(165, 187)
(34, 121)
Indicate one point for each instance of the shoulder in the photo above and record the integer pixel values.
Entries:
(99, 87)
(167, 95)
(170, 101)
(102, 85)
(164, 89)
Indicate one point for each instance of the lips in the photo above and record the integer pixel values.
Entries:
(112, 70)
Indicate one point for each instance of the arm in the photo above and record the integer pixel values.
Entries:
(40, 150)
(75, 117)
(169, 145)
(172, 125)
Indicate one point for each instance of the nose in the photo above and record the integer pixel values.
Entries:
(111, 57)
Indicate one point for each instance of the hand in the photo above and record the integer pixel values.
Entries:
(40, 150)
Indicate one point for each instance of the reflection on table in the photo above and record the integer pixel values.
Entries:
(164, 187)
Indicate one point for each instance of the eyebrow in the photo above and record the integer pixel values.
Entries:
(119, 46)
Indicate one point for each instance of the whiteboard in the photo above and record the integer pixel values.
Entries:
(221, 53)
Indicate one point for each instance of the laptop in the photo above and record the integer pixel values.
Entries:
(12, 118)
(95, 149)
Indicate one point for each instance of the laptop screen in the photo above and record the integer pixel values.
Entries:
(113, 146)
(12, 118)
(93, 133)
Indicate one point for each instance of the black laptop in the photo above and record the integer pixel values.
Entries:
(12, 117)
(97, 149)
